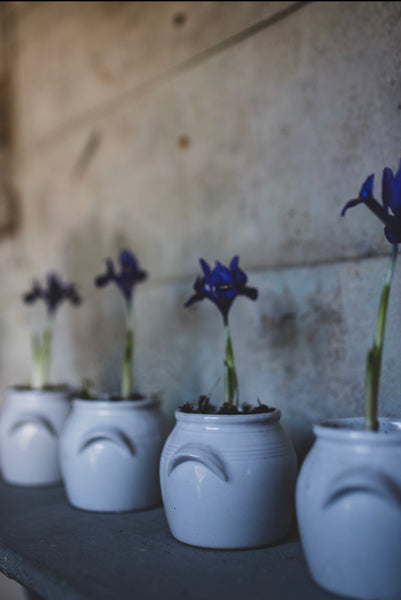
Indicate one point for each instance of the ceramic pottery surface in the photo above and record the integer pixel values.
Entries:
(30, 424)
(228, 480)
(349, 509)
(109, 454)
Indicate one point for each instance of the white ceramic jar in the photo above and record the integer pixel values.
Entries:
(30, 424)
(349, 509)
(228, 480)
(110, 452)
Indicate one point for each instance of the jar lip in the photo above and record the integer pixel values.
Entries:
(31, 394)
(115, 405)
(352, 429)
(272, 417)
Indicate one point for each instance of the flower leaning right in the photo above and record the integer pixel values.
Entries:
(221, 286)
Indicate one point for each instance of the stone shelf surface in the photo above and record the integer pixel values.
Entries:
(66, 554)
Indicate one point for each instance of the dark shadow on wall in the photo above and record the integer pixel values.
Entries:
(9, 203)
(96, 330)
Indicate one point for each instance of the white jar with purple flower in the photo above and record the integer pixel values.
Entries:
(349, 490)
(33, 415)
(227, 473)
(110, 445)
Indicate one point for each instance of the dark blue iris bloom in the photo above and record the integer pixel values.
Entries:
(221, 285)
(389, 212)
(53, 294)
(130, 274)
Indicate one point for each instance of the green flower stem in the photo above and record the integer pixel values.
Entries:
(41, 348)
(230, 374)
(126, 373)
(374, 356)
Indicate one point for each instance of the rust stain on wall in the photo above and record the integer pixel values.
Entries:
(179, 19)
(184, 141)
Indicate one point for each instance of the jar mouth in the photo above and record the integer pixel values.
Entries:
(114, 405)
(353, 430)
(52, 394)
(62, 387)
(221, 420)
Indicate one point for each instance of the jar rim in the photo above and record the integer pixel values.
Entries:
(222, 419)
(352, 430)
(34, 394)
(115, 405)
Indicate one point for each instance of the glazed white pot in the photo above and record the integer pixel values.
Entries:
(228, 480)
(349, 509)
(110, 452)
(30, 424)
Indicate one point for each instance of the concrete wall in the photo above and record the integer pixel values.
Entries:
(188, 129)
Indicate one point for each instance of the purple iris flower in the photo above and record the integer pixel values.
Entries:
(130, 274)
(53, 294)
(222, 285)
(389, 212)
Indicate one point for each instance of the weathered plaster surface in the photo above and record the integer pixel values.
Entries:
(138, 124)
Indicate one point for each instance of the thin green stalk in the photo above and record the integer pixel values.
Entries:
(230, 375)
(126, 373)
(374, 356)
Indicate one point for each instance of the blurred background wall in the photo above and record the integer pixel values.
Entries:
(203, 129)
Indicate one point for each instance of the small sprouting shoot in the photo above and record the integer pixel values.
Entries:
(53, 293)
(125, 276)
(221, 286)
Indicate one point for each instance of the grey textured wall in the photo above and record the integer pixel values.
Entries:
(188, 129)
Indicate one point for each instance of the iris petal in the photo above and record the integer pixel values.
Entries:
(387, 180)
(240, 277)
(389, 236)
(205, 268)
(234, 263)
(350, 204)
(396, 198)
(194, 298)
(221, 276)
(389, 211)
(128, 260)
(366, 190)
(251, 292)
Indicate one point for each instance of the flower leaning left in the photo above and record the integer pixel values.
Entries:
(348, 495)
(33, 415)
